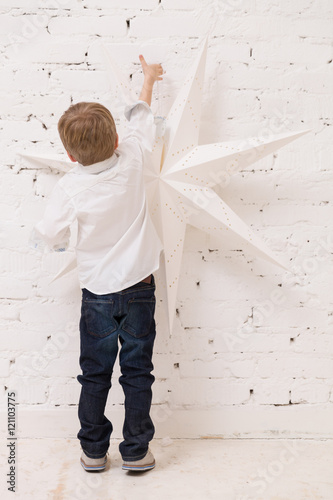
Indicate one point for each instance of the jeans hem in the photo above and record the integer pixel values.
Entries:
(134, 459)
(90, 455)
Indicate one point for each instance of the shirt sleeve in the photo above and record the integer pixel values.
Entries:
(53, 230)
(140, 126)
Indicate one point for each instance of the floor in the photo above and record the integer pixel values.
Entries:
(202, 469)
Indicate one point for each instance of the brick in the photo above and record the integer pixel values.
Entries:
(243, 341)
(181, 4)
(307, 342)
(18, 337)
(66, 364)
(79, 80)
(8, 312)
(309, 392)
(51, 361)
(112, 26)
(161, 392)
(227, 51)
(6, 80)
(4, 367)
(272, 214)
(246, 341)
(13, 236)
(8, 207)
(290, 317)
(259, 27)
(303, 7)
(216, 368)
(13, 288)
(35, 105)
(11, 24)
(31, 210)
(164, 365)
(192, 341)
(125, 4)
(302, 52)
(313, 28)
(271, 391)
(253, 78)
(295, 366)
(44, 49)
(29, 390)
(31, 79)
(208, 315)
(163, 26)
(64, 392)
(67, 287)
(10, 102)
(18, 184)
(208, 393)
(256, 27)
(28, 131)
(33, 4)
(45, 313)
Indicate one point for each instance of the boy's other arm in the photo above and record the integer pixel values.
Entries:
(54, 228)
(152, 73)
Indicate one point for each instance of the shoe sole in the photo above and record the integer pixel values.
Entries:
(138, 468)
(93, 467)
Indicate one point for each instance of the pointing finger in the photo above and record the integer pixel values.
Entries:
(142, 61)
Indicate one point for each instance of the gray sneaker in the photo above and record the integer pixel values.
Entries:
(146, 463)
(92, 464)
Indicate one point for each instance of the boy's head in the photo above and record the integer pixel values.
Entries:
(88, 132)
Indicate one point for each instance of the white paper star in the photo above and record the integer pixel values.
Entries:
(179, 176)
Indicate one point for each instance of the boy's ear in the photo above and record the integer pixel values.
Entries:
(71, 157)
(117, 142)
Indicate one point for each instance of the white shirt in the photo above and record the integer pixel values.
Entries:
(117, 244)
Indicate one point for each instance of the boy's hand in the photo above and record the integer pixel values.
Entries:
(152, 72)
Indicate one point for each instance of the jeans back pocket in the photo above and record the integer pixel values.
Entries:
(98, 315)
(140, 316)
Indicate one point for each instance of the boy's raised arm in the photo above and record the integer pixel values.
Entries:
(152, 73)
(140, 126)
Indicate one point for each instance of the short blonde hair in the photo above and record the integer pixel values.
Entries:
(88, 132)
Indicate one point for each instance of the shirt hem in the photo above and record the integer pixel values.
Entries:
(123, 286)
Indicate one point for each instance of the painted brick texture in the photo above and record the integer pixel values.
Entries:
(246, 332)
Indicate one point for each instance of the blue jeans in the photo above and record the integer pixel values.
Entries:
(127, 315)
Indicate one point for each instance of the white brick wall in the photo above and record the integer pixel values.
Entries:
(247, 336)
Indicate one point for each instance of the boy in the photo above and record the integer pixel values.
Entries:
(117, 251)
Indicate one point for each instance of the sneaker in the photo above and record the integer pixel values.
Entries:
(146, 463)
(92, 464)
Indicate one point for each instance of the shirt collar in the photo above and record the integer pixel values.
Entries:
(96, 168)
